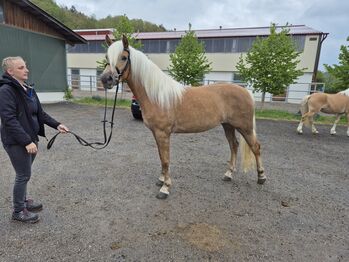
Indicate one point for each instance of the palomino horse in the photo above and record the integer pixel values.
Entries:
(168, 107)
(337, 104)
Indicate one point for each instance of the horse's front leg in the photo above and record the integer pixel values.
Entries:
(163, 142)
(333, 129)
(348, 124)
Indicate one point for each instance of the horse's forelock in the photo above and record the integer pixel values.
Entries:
(113, 53)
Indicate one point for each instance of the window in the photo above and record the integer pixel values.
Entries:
(98, 77)
(172, 45)
(229, 45)
(75, 78)
(90, 47)
(2, 17)
(244, 44)
(218, 45)
(299, 41)
(208, 44)
(213, 45)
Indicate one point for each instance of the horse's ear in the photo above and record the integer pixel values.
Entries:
(124, 41)
(108, 41)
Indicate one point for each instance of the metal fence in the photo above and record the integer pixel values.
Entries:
(90, 85)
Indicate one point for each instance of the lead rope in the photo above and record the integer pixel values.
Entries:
(95, 145)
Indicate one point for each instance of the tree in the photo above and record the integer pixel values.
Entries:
(75, 19)
(271, 63)
(340, 73)
(125, 27)
(189, 63)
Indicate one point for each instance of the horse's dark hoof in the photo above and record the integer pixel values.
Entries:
(161, 195)
(261, 181)
(159, 183)
(226, 178)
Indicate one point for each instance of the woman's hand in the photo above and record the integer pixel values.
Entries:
(62, 128)
(31, 148)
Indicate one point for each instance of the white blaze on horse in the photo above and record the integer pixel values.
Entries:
(168, 107)
(337, 104)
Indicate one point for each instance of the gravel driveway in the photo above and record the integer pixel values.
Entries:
(101, 205)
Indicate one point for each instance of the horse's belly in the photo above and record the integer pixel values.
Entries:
(194, 126)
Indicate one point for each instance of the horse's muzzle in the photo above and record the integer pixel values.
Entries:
(108, 80)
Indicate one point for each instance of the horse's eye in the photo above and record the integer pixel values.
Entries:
(124, 58)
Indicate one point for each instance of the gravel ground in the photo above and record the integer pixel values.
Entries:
(101, 205)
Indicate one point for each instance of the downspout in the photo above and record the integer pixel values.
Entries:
(317, 58)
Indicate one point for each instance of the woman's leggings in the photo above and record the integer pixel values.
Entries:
(22, 163)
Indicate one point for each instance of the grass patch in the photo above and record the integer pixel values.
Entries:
(100, 101)
(284, 115)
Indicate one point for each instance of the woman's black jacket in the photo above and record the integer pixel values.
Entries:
(16, 122)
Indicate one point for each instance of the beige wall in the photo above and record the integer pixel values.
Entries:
(83, 60)
(221, 62)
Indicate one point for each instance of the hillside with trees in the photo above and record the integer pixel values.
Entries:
(75, 19)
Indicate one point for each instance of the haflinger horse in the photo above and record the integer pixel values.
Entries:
(169, 107)
(337, 104)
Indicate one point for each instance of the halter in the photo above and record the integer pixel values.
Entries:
(120, 73)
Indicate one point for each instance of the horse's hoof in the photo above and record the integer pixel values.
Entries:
(159, 183)
(161, 195)
(261, 181)
(300, 132)
(226, 178)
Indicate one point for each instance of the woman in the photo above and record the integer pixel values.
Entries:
(22, 121)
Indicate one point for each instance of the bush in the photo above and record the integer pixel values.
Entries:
(97, 98)
(68, 95)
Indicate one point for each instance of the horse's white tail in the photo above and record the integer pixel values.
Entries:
(304, 108)
(248, 159)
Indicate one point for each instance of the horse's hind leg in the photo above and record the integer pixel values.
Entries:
(252, 142)
(233, 145)
(309, 116)
(163, 143)
(333, 129)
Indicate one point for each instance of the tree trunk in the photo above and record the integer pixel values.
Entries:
(262, 101)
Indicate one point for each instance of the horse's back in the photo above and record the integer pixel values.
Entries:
(329, 103)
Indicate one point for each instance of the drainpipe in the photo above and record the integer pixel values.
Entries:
(322, 37)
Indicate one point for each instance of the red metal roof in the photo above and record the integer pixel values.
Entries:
(228, 32)
(99, 34)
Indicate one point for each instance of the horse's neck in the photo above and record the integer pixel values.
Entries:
(138, 91)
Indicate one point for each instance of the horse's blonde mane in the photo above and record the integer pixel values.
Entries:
(160, 87)
(345, 92)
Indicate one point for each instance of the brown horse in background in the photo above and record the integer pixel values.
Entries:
(337, 104)
(168, 107)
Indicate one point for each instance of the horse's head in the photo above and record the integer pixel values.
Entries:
(118, 62)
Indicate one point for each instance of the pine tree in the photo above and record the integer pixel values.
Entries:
(340, 72)
(189, 63)
(271, 63)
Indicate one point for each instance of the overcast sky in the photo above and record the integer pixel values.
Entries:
(328, 16)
